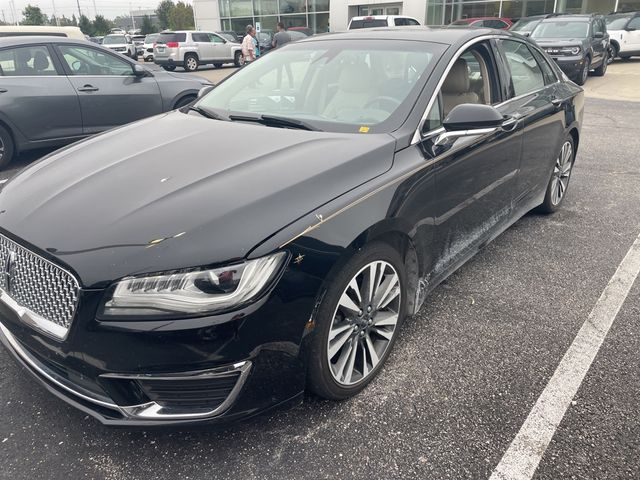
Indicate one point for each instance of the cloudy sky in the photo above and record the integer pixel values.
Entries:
(108, 8)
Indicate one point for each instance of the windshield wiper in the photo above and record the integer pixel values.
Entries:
(275, 121)
(207, 113)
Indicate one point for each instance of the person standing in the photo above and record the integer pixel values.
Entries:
(280, 38)
(248, 45)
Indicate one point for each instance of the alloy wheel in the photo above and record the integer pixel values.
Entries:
(192, 64)
(364, 323)
(1, 149)
(561, 173)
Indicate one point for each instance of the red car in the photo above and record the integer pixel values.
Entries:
(489, 22)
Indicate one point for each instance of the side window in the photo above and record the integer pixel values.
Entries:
(200, 37)
(634, 23)
(526, 75)
(411, 21)
(215, 38)
(548, 72)
(87, 61)
(471, 80)
(400, 22)
(26, 62)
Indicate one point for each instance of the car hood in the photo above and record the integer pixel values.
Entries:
(559, 42)
(180, 190)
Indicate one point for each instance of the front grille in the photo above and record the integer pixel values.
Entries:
(37, 284)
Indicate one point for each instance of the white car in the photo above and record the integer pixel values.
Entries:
(624, 32)
(147, 52)
(382, 21)
(120, 43)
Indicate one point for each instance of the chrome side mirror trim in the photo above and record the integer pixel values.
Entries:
(446, 138)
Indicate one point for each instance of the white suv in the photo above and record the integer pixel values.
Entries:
(120, 43)
(190, 48)
(624, 30)
(382, 21)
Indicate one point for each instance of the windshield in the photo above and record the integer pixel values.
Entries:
(367, 23)
(228, 36)
(331, 85)
(560, 29)
(113, 39)
(171, 37)
(525, 25)
(616, 22)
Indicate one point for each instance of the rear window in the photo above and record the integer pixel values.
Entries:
(171, 37)
(367, 23)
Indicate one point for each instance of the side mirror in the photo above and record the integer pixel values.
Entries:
(139, 70)
(204, 90)
(598, 35)
(471, 116)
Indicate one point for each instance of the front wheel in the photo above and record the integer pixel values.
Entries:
(613, 53)
(357, 322)
(602, 69)
(217, 65)
(559, 182)
(169, 68)
(238, 59)
(584, 73)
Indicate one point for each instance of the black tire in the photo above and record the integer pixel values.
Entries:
(602, 69)
(613, 53)
(7, 147)
(320, 379)
(238, 59)
(191, 62)
(169, 68)
(581, 79)
(184, 101)
(217, 65)
(550, 204)
(625, 57)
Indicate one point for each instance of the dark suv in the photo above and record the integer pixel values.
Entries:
(578, 44)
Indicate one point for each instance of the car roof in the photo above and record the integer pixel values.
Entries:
(438, 34)
(379, 17)
(569, 18)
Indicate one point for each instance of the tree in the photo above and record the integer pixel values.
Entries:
(147, 26)
(181, 17)
(74, 21)
(33, 16)
(85, 26)
(101, 25)
(164, 11)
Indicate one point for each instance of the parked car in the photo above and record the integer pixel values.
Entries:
(305, 30)
(526, 25)
(624, 30)
(69, 89)
(382, 21)
(213, 262)
(46, 31)
(149, 42)
(189, 49)
(578, 44)
(501, 23)
(230, 35)
(138, 41)
(121, 44)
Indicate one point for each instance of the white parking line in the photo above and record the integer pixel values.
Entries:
(523, 456)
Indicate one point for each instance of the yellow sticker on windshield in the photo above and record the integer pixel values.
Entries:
(364, 130)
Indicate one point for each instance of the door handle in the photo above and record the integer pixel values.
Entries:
(511, 123)
(88, 88)
(557, 102)
(3, 90)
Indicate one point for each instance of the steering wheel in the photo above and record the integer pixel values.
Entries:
(79, 67)
(390, 101)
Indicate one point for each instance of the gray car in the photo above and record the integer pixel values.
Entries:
(54, 91)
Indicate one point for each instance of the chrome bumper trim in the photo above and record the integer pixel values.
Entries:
(146, 411)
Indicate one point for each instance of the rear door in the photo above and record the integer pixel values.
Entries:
(534, 95)
(36, 97)
(110, 93)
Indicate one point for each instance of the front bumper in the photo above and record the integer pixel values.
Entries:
(206, 370)
(572, 66)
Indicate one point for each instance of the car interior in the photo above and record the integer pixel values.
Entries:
(26, 61)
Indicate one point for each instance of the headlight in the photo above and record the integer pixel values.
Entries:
(570, 50)
(194, 292)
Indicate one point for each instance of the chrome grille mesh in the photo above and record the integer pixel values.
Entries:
(37, 284)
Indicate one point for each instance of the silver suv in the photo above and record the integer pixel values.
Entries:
(190, 49)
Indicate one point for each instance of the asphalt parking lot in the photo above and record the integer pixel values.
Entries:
(464, 375)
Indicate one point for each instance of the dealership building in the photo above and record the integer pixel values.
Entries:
(334, 15)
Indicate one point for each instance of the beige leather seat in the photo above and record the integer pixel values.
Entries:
(456, 87)
(355, 90)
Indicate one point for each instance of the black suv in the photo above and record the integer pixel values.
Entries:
(578, 44)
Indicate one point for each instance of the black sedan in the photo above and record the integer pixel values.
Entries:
(218, 260)
(56, 90)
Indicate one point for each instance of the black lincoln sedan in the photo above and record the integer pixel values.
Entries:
(273, 236)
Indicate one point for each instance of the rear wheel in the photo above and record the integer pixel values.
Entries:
(602, 69)
(217, 65)
(581, 79)
(357, 322)
(613, 53)
(7, 147)
(238, 59)
(169, 68)
(191, 63)
(559, 182)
